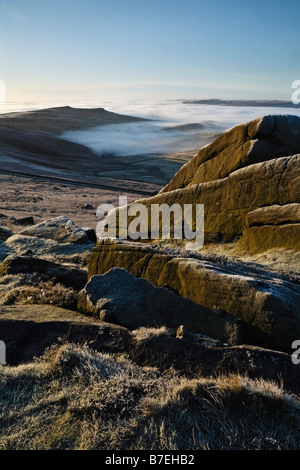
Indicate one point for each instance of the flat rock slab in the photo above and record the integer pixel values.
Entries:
(272, 227)
(260, 239)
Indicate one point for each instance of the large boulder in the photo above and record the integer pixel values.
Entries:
(118, 297)
(60, 229)
(262, 139)
(268, 304)
(227, 201)
(248, 167)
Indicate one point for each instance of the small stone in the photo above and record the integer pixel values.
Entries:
(85, 206)
(23, 221)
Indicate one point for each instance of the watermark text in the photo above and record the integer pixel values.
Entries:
(296, 93)
(2, 353)
(296, 354)
(152, 222)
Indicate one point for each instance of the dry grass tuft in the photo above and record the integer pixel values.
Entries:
(29, 289)
(144, 334)
(74, 398)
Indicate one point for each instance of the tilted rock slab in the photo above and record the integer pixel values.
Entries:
(118, 297)
(268, 305)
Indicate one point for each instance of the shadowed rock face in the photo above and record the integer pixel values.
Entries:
(257, 141)
(268, 306)
(118, 297)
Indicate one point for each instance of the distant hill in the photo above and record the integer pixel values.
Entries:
(61, 119)
(246, 103)
(31, 143)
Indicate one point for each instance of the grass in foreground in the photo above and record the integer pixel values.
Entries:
(74, 398)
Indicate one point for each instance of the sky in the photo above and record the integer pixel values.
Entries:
(99, 50)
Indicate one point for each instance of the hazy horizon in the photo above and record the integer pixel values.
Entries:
(116, 105)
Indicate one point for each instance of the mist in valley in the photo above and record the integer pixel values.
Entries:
(168, 127)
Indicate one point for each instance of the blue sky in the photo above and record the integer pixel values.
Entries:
(130, 49)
